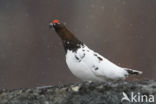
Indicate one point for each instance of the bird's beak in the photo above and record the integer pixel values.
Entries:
(50, 25)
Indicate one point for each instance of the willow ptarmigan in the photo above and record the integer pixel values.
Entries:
(85, 63)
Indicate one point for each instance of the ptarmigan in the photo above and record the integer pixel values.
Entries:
(85, 63)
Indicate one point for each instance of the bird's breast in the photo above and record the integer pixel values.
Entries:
(76, 64)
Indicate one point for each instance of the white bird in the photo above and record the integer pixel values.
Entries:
(86, 64)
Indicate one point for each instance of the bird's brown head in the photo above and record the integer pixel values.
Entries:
(56, 24)
(61, 30)
(68, 39)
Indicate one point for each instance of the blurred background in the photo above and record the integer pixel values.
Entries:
(31, 55)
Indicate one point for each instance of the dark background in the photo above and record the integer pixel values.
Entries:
(31, 55)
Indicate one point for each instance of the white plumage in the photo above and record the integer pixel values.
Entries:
(89, 65)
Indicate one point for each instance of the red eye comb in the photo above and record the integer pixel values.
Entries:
(55, 21)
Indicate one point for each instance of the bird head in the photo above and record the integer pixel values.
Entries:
(56, 24)
(64, 34)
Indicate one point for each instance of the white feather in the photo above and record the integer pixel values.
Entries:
(85, 64)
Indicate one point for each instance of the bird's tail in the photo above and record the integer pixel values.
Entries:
(131, 71)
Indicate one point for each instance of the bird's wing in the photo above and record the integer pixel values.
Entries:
(106, 69)
(100, 66)
(94, 61)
